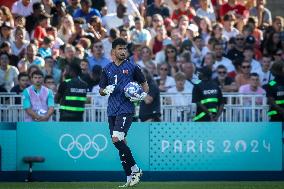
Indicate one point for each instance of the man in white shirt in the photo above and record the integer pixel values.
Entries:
(221, 60)
(229, 30)
(264, 73)
(23, 7)
(248, 56)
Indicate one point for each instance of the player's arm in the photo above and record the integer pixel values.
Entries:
(105, 88)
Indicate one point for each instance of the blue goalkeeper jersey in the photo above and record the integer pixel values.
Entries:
(120, 76)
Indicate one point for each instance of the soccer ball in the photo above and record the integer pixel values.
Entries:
(132, 89)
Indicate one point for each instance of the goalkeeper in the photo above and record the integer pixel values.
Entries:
(115, 76)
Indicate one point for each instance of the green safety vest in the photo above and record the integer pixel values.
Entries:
(206, 101)
(74, 102)
(280, 102)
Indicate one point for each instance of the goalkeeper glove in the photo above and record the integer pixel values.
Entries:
(138, 97)
(109, 89)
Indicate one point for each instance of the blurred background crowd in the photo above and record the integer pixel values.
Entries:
(171, 39)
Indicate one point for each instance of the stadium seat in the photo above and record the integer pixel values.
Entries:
(30, 160)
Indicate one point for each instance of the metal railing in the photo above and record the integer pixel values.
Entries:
(174, 108)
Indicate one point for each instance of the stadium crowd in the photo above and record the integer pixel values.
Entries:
(171, 39)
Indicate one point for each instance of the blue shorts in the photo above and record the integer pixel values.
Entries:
(120, 123)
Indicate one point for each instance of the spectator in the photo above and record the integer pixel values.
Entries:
(20, 44)
(226, 84)
(150, 108)
(221, 60)
(30, 58)
(205, 29)
(45, 49)
(20, 21)
(139, 35)
(73, 6)
(86, 11)
(248, 56)
(217, 33)
(278, 55)
(197, 51)
(6, 48)
(38, 100)
(113, 34)
(8, 73)
(243, 77)
(57, 12)
(183, 9)
(262, 13)
(7, 15)
(265, 75)
(206, 10)
(157, 7)
(66, 29)
(23, 7)
(31, 69)
(171, 59)
(208, 61)
(151, 67)
(277, 24)
(98, 57)
(232, 6)
(97, 28)
(252, 88)
(48, 5)
(111, 7)
(180, 87)
(32, 20)
(229, 29)
(272, 44)
(40, 28)
(57, 43)
(51, 70)
(6, 33)
(146, 57)
(23, 82)
(156, 43)
(157, 23)
(50, 83)
(114, 20)
(69, 57)
(237, 51)
(164, 81)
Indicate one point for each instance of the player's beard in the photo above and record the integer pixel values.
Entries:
(121, 57)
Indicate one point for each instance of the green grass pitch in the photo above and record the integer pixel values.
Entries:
(145, 185)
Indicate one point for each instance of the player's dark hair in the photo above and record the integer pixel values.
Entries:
(118, 41)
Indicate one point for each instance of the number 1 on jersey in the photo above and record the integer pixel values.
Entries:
(115, 79)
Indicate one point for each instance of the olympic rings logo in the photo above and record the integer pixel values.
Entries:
(83, 144)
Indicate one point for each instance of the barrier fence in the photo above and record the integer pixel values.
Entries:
(174, 108)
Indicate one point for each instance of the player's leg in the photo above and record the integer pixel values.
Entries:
(118, 140)
(136, 172)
